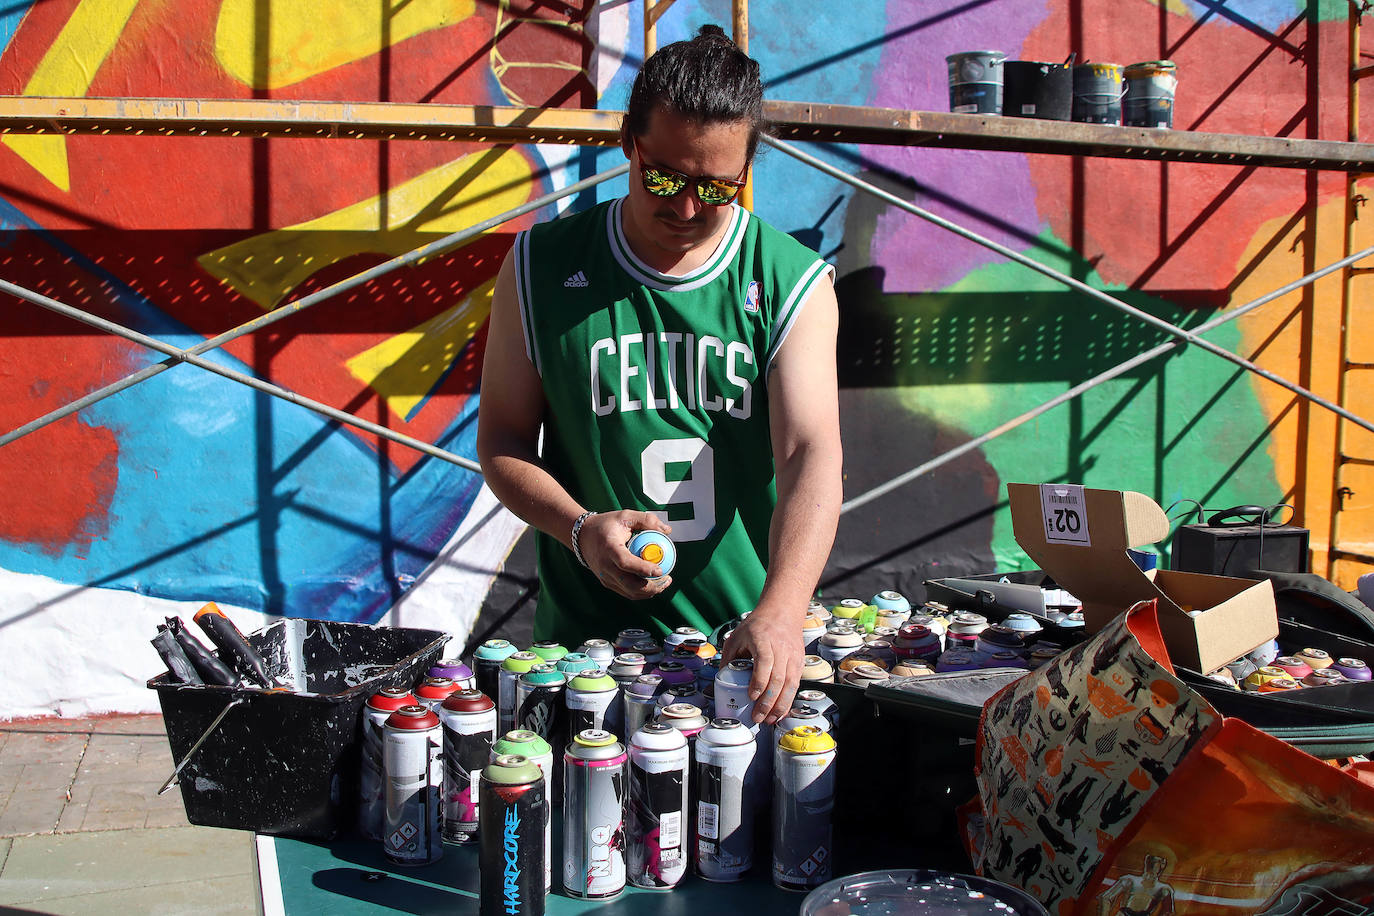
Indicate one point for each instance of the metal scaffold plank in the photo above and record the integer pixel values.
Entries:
(591, 127)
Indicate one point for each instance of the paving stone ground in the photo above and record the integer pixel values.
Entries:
(83, 830)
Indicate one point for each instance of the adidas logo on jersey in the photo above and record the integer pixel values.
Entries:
(576, 281)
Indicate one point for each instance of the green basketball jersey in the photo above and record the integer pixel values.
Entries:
(657, 401)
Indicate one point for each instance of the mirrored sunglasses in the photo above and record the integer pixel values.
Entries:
(665, 182)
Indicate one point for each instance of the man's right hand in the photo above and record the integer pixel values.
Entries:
(602, 541)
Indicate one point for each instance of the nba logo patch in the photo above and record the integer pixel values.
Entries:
(751, 297)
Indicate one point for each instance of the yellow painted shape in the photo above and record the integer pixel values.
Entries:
(404, 368)
(1177, 7)
(309, 37)
(266, 267)
(68, 69)
(1271, 335)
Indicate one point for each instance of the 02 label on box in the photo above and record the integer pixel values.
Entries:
(1066, 514)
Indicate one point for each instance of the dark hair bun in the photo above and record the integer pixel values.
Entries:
(713, 32)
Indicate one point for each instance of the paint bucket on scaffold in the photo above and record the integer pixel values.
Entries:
(1150, 94)
(975, 82)
(1097, 93)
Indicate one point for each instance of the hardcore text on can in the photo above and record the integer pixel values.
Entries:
(524, 743)
(514, 808)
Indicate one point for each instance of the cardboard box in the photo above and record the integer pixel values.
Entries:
(1080, 536)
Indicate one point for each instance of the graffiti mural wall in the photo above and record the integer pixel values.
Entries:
(189, 487)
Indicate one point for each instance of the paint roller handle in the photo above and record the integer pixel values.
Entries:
(210, 668)
(230, 641)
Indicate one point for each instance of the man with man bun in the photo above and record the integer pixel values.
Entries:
(678, 355)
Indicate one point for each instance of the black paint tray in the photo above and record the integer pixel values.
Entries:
(286, 762)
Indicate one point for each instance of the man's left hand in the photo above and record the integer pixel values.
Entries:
(772, 638)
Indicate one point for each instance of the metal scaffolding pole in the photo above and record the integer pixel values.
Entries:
(1072, 283)
(1108, 375)
(437, 247)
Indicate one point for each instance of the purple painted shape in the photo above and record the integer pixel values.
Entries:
(990, 193)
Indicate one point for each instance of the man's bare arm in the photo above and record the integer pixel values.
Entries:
(508, 422)
(803, 405)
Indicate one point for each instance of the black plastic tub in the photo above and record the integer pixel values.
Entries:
(286, 762)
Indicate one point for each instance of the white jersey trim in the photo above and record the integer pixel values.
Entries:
(792, 308)
(642, 273)
(525, 298)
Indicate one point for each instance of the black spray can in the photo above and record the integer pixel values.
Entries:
(512, 810)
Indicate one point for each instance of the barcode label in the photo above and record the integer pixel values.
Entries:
(670, 830)
(706, 820)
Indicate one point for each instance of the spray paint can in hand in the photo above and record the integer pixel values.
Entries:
(372, 795)
(803, 802)
(469, 721)
(486, 665)
(511, 856)
(508, 680)
(657, 824)
(725, 806)
(594, 816)
(413, 764)
(732, 690)
(524, 743)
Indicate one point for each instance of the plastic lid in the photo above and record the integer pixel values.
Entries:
(912, 891)
(468, 701)
(412, 718)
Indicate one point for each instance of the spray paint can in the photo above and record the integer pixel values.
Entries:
(1000, 638)
(674, 672)
(912, 667)
(1003, 659)
(575, 663)
(650, 649)
(836, 644)
(1264, 654)
(936, 625)
(1261, 676)
(682, 693)
(680, 636)
(813, 628)
(708, 696)
(958, 660)
(525, 743)
(892, 618)
(550, 650)
(590, 697)
(539, 703)
(372, 794)
(687, 659)
(725, 806)
(686, 718)
(514, 806)
(413, 764)
(1316, 659)
(507, 705)
(641, 701)
(698, 647)
(803, 801)
(1293, 666)
(860, 656)
(817, 670)
(468, 718)
(486, 665)
(890, 601)
(818, 610)
(626, 639)
(732, 690)
(822, 703)
(656, 817)
(862, 675)
(432, 691)
(1353, 669)
(1279, 685)
(1024, 624)
(626, 667)
(455, 670)
(594, 816)
(848, 609)
(654, 547)
(1323, 677)
(706, 674)
(599, 651)
(801, 714)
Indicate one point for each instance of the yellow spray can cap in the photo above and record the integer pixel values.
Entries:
(807, 739)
